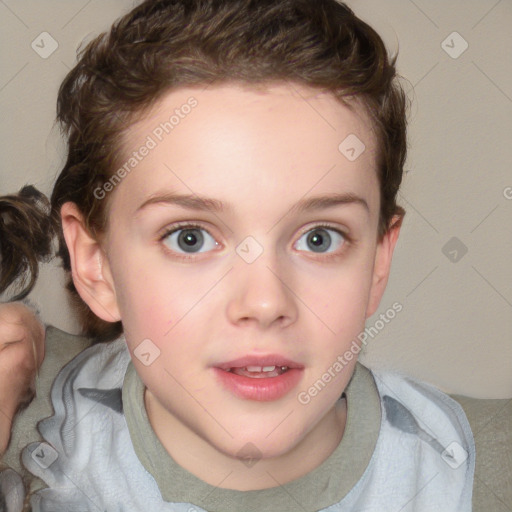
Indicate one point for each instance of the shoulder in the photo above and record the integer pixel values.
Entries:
(61, 347)
(491, 424)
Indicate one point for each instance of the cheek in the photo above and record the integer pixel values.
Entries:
(156, 297)
(140, 293)
(148, 309)
(339, 296)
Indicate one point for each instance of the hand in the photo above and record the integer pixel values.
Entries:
(22, 338)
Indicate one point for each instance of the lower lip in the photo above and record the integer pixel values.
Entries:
(262, 390)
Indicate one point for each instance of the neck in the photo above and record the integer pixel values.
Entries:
(199, 457)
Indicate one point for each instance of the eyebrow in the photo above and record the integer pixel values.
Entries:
(199, 203)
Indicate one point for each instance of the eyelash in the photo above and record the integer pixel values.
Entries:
(182, 225)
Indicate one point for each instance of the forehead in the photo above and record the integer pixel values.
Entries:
(296, 107)
(283, 135)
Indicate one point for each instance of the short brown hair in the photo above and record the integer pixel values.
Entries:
(162, 45)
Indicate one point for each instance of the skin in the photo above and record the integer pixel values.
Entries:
(21, 354)
(259, 152)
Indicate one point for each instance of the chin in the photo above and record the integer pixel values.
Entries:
(257, 446)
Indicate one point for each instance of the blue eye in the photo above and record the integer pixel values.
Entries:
(189, 239)
(321, 239)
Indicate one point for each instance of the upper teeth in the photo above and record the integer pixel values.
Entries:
(260, 368)
(263, 368)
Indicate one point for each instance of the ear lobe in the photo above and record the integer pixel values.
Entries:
(89, 266)
(382, 265)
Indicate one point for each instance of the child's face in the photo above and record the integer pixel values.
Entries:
(206, 297)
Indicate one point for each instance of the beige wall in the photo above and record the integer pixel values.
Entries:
(455, 328)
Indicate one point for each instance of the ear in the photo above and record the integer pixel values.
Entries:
(89, 265)
(382, 264)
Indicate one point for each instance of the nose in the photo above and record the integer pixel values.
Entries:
(261, 295)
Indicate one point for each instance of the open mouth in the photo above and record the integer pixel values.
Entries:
(260, 382)
(259, 377)
(259, 372)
